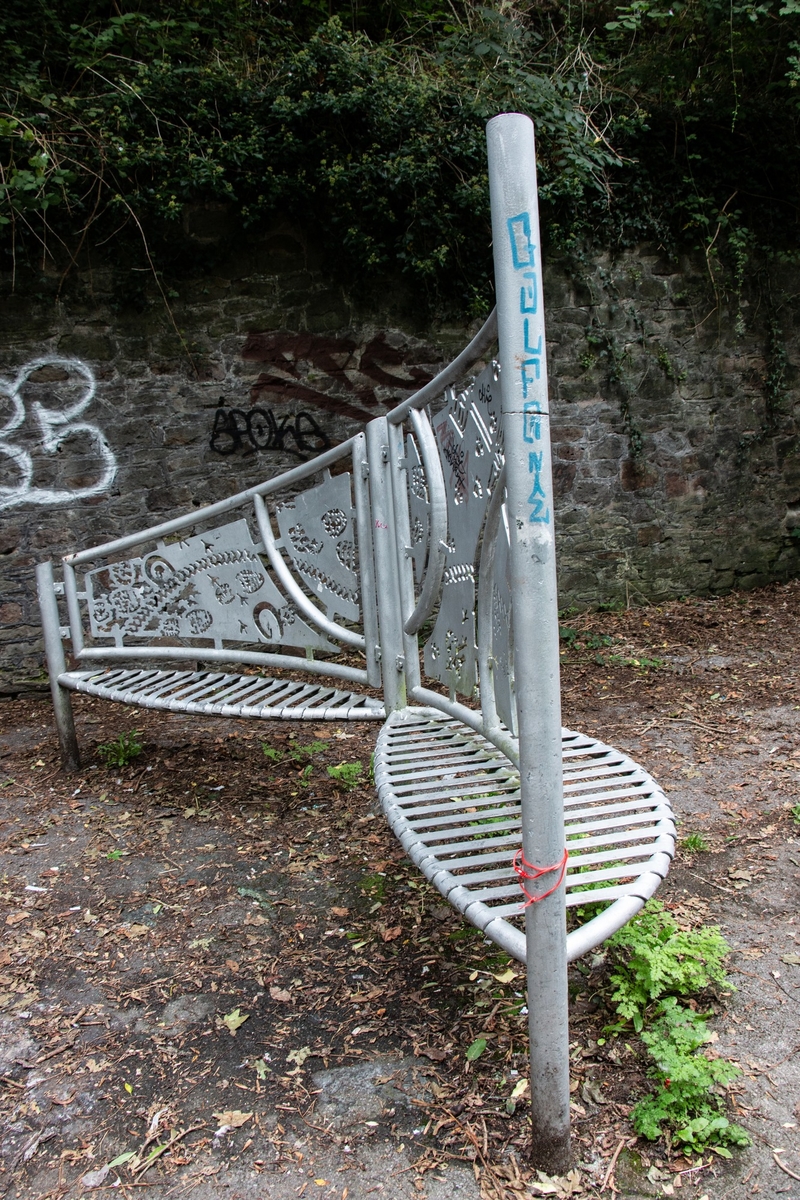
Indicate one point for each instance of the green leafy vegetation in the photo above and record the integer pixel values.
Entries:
(122, 750)
(695, 843)
(655, 964)
(662, 959)
(347, 775)
(366, 124)
(310, 750)
(687, 1100)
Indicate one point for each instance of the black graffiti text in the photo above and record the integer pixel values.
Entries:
(259, 428)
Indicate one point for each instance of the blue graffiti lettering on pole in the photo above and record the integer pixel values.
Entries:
(53, 425)
(523, 255)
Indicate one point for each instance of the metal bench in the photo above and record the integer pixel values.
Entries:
(410, 572)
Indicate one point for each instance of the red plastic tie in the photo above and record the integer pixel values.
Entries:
(529, 871)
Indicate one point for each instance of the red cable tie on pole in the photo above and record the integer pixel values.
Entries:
(529, 871)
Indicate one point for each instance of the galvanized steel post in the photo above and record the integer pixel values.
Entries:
(384, 541)
(56, 665)
(526, 421)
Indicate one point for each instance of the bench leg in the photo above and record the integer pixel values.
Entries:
(56, 665)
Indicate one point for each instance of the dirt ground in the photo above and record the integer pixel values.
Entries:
(220, 975)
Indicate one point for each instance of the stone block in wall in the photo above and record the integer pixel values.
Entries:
(94, 347)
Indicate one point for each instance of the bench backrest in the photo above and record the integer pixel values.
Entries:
(387, 561)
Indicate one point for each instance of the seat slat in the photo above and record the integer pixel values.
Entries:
(452, 799)
(219, 694)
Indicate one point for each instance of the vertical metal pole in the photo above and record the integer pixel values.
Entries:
(56, 664)
(523, 383)
(384, 538)
(402, 541)
(366, 558)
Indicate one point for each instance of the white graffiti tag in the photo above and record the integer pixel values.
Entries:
(55, 425)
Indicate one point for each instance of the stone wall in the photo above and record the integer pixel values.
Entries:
(675, 433)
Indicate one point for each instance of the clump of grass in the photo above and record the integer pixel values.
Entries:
(122, 750)
(695, 843)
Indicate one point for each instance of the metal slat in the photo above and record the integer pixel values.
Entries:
(463, 830)
(235, 699)
(218, 694)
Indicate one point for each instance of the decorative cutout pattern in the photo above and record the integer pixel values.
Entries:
(213, 585)
(318, 534)
(466, 434)
(419, 507)
(503, 629)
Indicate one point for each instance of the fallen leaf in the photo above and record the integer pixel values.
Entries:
(95, 1179)
(792, 960)
(121, 1159)
(389, 935)
(562, 1186)
(15, 918)
(476, 1049)
(299, 1056)
(519, 1088)
(340, 912)
(591, 1094)
(281, 994)
(506, 976)
(233, 1020)
(233, 1119)
(433, 1054)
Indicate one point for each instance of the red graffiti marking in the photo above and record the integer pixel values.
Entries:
(346, 368)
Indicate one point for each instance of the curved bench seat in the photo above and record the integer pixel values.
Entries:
(216, 693)
(452, 799)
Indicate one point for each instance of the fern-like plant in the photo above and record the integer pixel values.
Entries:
(654, 963)
(662, 959)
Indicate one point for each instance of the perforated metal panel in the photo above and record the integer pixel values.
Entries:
(213, 586)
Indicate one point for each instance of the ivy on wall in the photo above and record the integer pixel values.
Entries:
(366, 122)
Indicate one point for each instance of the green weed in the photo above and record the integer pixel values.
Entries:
(122, 750)
(595, 641)
(373, 885)
(347, 775)
(695, 843)
(796, 814)
(300, 753)
(641, 664)
(687, 1099)
(114, 855)
(271, 753)
(662, 959)
(662, 963)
